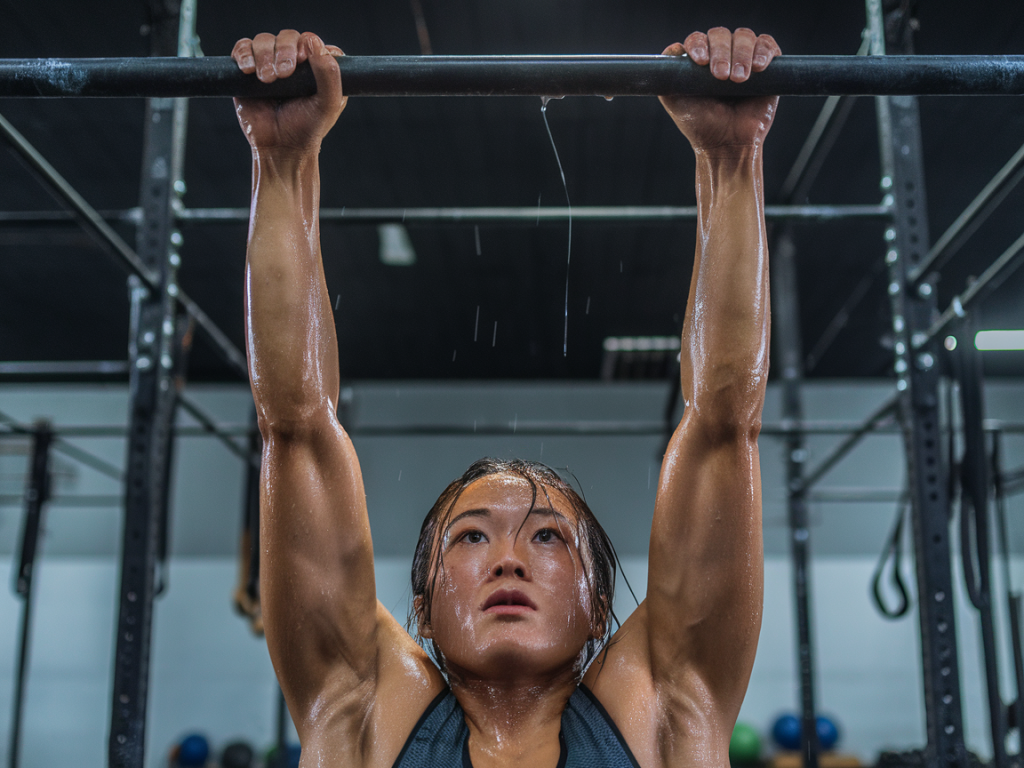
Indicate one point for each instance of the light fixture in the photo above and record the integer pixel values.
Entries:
(989, 341)
(395, 246)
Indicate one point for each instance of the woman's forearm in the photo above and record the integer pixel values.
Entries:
(290, 334)
(724, 356)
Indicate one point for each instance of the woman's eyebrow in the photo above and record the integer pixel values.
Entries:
(548, 511)
(482, 512)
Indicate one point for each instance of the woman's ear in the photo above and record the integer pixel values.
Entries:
(422, 623)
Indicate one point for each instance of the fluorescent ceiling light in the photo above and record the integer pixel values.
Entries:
(999, 340)
(395, 246)
(641, 343)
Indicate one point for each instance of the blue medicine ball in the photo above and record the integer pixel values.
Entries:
(194, 750)
(828, 733)
(786, 731)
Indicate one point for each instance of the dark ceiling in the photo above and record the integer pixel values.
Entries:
(62, 299)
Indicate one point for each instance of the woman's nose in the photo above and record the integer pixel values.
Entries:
(509, 563)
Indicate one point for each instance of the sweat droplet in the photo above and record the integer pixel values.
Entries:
(494, 338)
(476, 325)
(476, 235)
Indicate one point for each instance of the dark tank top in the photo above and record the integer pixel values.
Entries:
(589, 738)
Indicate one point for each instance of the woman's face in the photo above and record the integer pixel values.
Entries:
(511, 596)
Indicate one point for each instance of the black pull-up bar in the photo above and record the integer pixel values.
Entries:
(520, 76)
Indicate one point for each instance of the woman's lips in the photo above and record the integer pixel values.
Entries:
(507, 602)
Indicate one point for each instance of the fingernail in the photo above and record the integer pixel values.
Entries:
(248, 61)
(699, 53)
(760, 61)
(738, 70)
(285, 64)
(721, 69)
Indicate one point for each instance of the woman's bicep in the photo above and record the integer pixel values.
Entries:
(317, 582)
(706, 571)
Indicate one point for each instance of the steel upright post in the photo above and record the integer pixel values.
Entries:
(153, 352)
(786, 316)
(918, 382)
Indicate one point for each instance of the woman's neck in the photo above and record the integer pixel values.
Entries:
(515, 721)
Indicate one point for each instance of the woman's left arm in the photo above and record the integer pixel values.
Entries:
(696, 634)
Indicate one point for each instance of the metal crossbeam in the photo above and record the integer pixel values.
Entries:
(517, 76)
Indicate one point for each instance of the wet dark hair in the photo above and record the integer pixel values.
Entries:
(596, 551)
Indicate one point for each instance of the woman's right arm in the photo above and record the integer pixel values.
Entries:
(325, 629)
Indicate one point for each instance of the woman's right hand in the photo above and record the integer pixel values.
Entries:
(293, 124)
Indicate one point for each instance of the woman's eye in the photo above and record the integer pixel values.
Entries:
(473, 537)
(545, 535)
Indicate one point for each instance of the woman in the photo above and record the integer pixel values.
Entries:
(509, 587)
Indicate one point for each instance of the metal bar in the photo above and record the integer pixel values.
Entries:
(64, 368)
(517, 76)
(899, 131)
(990, 279)
(112, 243)
(36, 496)
(532, 214)
(466, 215)
(972, 217)
(870, 424)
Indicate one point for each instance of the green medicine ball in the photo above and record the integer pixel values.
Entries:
(745, 745)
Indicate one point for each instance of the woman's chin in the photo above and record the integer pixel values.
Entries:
(509, 657)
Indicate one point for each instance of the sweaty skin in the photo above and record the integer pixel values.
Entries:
(511, 606)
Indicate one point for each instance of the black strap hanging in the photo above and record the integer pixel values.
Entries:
(893, 552)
